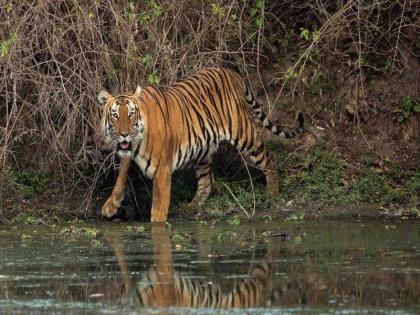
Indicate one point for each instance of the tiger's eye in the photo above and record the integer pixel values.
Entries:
(130, 114)
(115, 115)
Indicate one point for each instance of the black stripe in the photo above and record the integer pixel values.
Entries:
(259, 161)
(136, 151)
(147, 166)
(258, 151)
(253, 290)
(203, 175)
(179, 157)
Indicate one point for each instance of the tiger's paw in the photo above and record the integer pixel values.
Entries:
(158, 216)
(109, 209)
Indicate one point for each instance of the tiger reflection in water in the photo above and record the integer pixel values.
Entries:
(163, 286)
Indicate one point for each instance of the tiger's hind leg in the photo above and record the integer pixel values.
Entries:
(264, 160)
(205, 181)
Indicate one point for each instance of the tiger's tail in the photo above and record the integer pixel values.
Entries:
(277, 130)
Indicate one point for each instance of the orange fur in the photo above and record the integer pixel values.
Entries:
(163, 286)
(171, 128)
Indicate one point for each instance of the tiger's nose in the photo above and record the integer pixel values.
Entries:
(124, 134)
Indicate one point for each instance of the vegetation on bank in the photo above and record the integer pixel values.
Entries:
(310, 182)
(318, 178)
(350, 66)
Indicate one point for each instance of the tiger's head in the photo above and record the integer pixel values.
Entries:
(122, 122)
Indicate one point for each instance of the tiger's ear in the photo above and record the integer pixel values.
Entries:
(137, 92)
(103, 97)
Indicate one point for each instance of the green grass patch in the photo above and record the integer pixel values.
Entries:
(371, 187)
(25, 218)
(321, 175)
(238, 196)
(396, 184)
(30, 183)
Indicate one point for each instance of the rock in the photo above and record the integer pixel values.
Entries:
(289, 203)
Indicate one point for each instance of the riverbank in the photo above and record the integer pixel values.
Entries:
(314, 183)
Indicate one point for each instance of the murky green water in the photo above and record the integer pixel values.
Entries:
(313, 267)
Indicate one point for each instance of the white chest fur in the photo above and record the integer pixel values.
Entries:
(146, 166)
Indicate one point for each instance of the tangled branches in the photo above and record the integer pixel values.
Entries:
(56, 55)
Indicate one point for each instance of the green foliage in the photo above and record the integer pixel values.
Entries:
(296, 217)
(256, 12)
(413, 184)
(319, 175)
(130, 12)
(144, 18)
(384, 188)
(234, 195)
(178, 237)
(258, 22)
(153, 77)
(25, 218)
(8, 7)
(26, 237)
(235, 220)
(370, 187)
(30, 183)
(307, 34)
(7, 44)
(153, 11)
(304, 33)
(183, 188)
(415, 211)
(408, 107)
(323, 176)
(217, 10)
(156, 9)
(291, 73)
(297, 240)
(147, 60)
(315, 36)
(90, 232)
(137, 229)
(267, 218)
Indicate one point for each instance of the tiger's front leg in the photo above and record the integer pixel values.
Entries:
(161, 194)
(110, 208)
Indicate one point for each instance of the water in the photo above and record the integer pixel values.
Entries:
(314, 267)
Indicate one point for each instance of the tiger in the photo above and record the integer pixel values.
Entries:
(162, 286)
(165, 129)
(172, 289)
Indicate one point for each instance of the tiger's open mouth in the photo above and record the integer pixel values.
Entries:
(124, 146)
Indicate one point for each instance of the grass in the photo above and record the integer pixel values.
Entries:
(320, 176)
(316, 176)
(30, 184)
(323, 176)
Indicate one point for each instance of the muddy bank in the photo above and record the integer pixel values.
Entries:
(293, 210)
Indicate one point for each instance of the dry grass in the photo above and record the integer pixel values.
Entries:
(56, 55)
